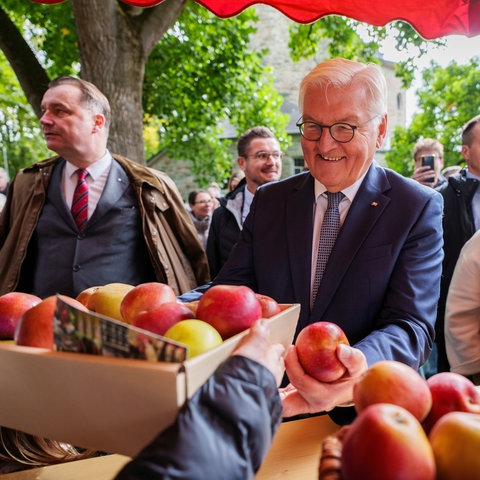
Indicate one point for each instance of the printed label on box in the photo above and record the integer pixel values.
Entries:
(78, 331)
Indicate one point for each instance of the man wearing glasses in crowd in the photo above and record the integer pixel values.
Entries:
(380, 280)
(260, 158)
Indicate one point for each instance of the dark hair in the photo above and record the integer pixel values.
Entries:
(92, 97)
(243, 143)
(467, 137)
(193, 195)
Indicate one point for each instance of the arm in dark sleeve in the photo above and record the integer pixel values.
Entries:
(224, 431)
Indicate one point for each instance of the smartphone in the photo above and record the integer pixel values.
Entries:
(429, 161)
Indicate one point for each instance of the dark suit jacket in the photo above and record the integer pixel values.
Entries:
(381, 284)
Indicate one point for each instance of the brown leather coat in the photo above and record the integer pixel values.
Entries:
(175, 251)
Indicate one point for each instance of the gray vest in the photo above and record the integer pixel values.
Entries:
(110, 249)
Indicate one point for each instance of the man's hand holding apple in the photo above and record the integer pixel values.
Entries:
(305, 394)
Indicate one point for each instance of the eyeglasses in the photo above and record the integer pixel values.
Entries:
(341, 132)
(203, 202)
(265, 155)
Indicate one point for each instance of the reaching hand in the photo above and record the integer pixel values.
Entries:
(256, 346)
(305, 394)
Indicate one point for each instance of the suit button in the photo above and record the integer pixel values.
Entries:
(76, 268)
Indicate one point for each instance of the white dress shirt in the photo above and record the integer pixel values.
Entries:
(96, 179)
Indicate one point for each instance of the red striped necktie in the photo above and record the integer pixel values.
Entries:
(80, 200)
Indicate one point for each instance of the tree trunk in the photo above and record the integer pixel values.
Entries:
(114, 43)
(31, 75)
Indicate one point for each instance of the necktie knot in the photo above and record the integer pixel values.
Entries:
(334, 199)
(81, 174)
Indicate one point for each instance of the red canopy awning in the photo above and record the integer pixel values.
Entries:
(431, 18)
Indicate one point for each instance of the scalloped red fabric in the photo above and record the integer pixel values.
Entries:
(431, 18)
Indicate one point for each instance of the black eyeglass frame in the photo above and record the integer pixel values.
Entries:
(301, 127)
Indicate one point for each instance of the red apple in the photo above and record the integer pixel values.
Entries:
(12, 306)
(160, 319)
(85, 297)
(316, 348)
(144, 297)
(384, 442)
(35, 327)
(192, 306)
(451, 392)
(230, 309)
(455, 440)
(389, 381)
(270, 307)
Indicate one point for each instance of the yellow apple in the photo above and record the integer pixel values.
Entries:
(455, 440)
(198, 335)
(107, 299)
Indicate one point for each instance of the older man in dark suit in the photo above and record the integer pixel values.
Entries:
(88, 217)
(381, 280)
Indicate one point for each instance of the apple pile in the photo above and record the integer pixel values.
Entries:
(223, 311)
(412, 428)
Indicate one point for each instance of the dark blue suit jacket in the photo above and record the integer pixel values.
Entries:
(381, 284)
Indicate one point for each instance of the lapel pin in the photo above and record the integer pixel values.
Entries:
(374, 204)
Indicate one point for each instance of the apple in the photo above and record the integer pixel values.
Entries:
(107, 299)
(270, 307)
(35, 327)
(455, 440)
(230, 309)
(451, 392)
(12, 306)
(85, 297)
(192, 306)
(160, 319)
(389, 381)
(145, 297)
(199, 336)
(316, 347)
(386, 441)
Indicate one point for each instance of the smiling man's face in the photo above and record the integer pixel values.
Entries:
(338, 165)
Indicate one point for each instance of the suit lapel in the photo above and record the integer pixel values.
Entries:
(299, 228)
(368, 206)
(116, 185)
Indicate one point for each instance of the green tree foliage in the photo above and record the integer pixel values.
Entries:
(449, 97)
(337, 36)
(203, 76)
(200, 76)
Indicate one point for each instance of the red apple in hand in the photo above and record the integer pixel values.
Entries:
(160, 319)
(451, 392)
(144, 297)
(389, 381)
(384, 442)
(316, 348)
(12, 306)
(35, 327)
(455, 440)
(270, 307)
(230, 309)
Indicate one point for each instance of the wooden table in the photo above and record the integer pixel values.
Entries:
(295, 454)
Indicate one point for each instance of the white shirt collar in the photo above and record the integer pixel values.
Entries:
(95, 170)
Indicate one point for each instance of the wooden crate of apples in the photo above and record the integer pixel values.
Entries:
(406, 428)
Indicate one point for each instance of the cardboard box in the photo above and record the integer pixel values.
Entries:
(114, 405)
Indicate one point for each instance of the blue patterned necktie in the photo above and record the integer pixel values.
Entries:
(328, 235)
